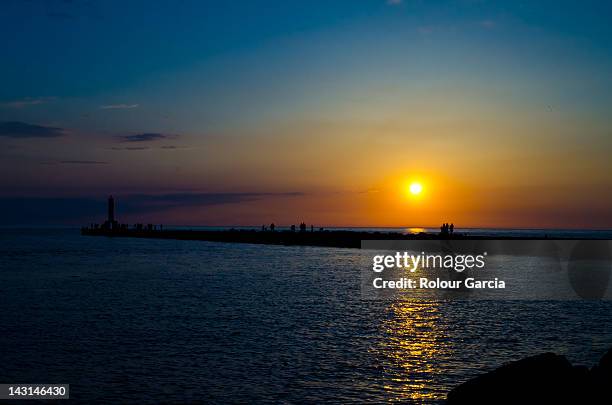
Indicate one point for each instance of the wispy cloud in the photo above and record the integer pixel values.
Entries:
(119, 106)
(27, 102)
(166, 201)
(83, 162)
(16, 129)
(73, 162)
(137, 148)
(174, 147)
(79, 210)
(131, 148)
(146, 137)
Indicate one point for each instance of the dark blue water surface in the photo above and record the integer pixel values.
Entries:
(136, 320)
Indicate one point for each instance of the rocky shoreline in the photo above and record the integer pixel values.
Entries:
(546, 378)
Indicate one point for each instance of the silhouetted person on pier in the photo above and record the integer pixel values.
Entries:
(292, 228)
(311, 228)
(272, 226)
(452, 228)
(302, 227)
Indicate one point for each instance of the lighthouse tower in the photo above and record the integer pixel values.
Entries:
(110, 223)
(111, 210)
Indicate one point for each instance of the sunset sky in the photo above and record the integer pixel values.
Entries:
(251, 112)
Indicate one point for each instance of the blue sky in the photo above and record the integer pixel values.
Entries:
(92, 48)
(182, 96)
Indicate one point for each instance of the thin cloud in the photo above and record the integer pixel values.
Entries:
(27, 102)
(176, 200)
(174, 147)
(146, 137)
(16, 129)
(83, 162)
(81, 210)
(131, 148)
(119, 106)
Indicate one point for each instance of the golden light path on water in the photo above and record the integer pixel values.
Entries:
(414, 339)
(415, 230)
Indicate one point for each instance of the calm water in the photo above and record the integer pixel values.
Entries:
(134, 320)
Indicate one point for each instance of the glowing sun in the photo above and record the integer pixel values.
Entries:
(415, 188)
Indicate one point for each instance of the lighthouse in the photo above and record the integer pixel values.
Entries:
(111, 210)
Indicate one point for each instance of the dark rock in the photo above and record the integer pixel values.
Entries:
(605, 364)
(542, 379)
(601, 374)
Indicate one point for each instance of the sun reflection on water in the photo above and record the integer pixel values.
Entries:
(415, 231)
(414, 340)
